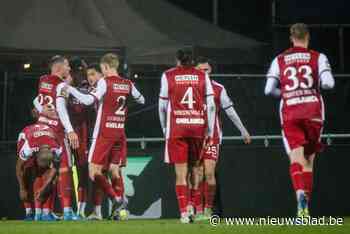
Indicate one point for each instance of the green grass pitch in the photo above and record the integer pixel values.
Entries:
(162, 226)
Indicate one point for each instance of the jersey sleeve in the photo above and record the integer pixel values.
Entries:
(137, 95)
(225, 100)
(164, 92)
(24, 150)
(325, 72)
(100, 90)
(274, 70)
(61, 106)
(208, 87)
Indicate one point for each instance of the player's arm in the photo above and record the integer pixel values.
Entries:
(163, 103)
(210, 106)
(227, 105)
(21, 180)
(90, 98)
(272, 82)
(325, 73)
(24, 153)
(138, 97)
(61, 105)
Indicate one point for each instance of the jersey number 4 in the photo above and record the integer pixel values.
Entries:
(187, 99)
(306, 73)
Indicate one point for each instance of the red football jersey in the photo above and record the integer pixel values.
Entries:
(187, 99)
(32, 137)
(217, 88)
(299, 81)
(47, 96)
(112, 110)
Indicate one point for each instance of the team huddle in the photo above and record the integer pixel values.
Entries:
(76, 97)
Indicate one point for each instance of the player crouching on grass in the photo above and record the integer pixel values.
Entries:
(108, 149)
(36, 169)
(300, 74)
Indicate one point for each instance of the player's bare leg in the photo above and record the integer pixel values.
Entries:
(181, 189)
(210, 188)
(297, 164)
(196, 195)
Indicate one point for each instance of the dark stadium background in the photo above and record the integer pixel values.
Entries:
(254, 180)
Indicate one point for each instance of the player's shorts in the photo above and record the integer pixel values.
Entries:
(183, 150)
(211, 153)
(303, 132)
(107, 151)
(81, 154)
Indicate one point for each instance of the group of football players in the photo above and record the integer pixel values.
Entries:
(76, 96)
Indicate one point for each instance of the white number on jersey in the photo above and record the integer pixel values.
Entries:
(306, 72)
(46, 100)
(121, 100)
(188, 98)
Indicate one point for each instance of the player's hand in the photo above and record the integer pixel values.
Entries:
(23, 194)
(247, 139)
(208, 141)
(49, 112)
(64, 91)
(73, 140)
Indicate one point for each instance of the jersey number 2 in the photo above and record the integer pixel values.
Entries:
(121, 100)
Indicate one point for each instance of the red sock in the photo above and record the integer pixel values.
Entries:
(97, 195)
(38, 182)
(118, 186)
(181, 194)
(28, 205)
(209, 195)
(48, 203)
(308, 180)
(65, 183)
(296, 173)
(197, 200)
(201, 190)
(102, 182)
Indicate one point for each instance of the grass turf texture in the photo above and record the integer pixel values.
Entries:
(162, 226)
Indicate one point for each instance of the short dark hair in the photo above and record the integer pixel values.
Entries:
(77, 63)
(56, 59)
(202, 59)
(185, 57)
(94, 66)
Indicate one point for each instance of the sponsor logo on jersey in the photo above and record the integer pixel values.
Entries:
(43, 119)
(121, 87)
(116, 118)
(297, 93)
(186, 78)
(43, 133)
(114, 125)
(301, 100)
(297, 58)
(45, 85)
(198, 121)
(187, 112)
